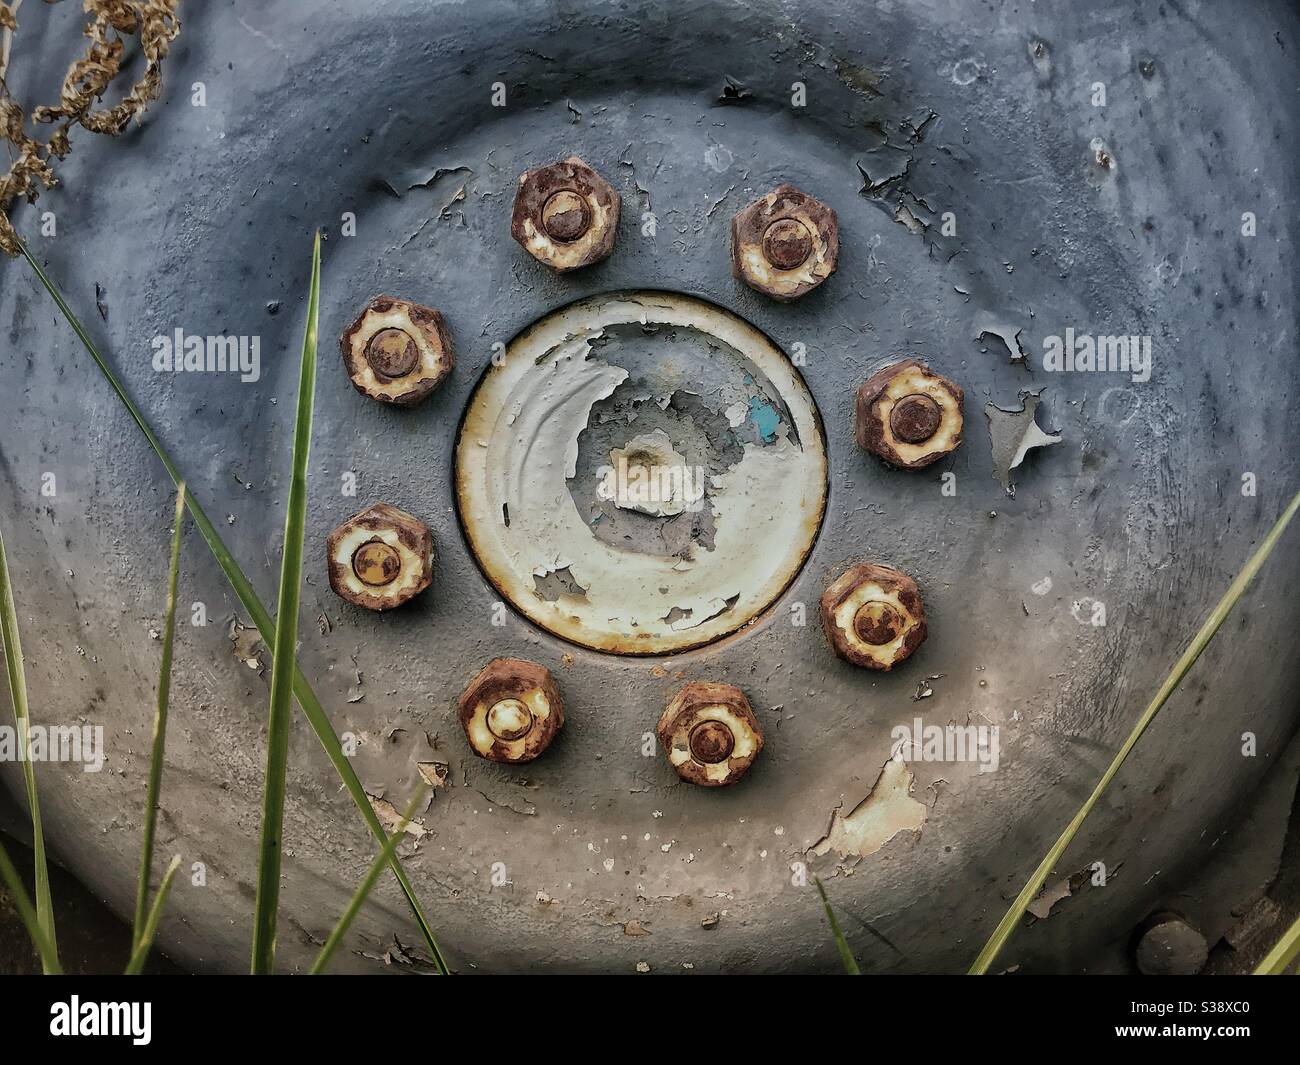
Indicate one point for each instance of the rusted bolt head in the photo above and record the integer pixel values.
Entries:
(710, 734)
(908, 415)
(380, 557)
(511, 711)
(397, 351)
(565, 215)
(785, 243)
(873, 616)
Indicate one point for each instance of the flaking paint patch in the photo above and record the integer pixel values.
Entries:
(391, 817)
(1014, 434)
(887, 810)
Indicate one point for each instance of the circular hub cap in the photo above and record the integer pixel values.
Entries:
(612, 471)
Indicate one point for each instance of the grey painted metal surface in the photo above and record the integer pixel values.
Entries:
(1122, 219)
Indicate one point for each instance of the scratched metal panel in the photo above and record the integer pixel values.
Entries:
(1122, 219)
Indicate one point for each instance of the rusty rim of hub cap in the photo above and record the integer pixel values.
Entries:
(513, 457)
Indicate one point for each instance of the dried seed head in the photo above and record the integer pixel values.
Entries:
(565, 215)
(511, 711)
(380, 557)
(873, 616)
(785, 243)
(710, 734)
(908, 415)
(397, 351)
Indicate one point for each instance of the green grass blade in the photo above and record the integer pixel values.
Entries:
(841, 944)
(367, 885)
(1217, 617)
(44, 945)
(159, 726)
(1283, 955)
(143, 943)
(280, 708)
(22, 721)
(261, 617)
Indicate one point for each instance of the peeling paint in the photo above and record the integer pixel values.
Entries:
(987, 325)
(1014, 434)
(681, 585)
(391, 817)
(246, 643)
(887, 810)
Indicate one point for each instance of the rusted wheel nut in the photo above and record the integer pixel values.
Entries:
(397, 351)
(380, 557)
(784, 243)
(565, 215)
(511, 711)
(873, 616)
(710, 734)
(908, 415)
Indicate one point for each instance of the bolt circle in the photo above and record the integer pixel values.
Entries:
(711, 742)
(915, 418)
(787, 243)
(877, 623)
(376, 563)
(392, 353)
(509, 720)
(565, 216)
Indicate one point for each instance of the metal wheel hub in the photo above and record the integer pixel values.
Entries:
(977, 221)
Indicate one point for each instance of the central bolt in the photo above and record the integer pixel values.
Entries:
(376, 563)
(565, 216)
(509, 720)
(392, 353)
(711, 742)
(787, 243)
(915, 418)
(877, 623)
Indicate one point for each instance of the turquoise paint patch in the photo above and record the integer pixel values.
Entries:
(765, 418)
